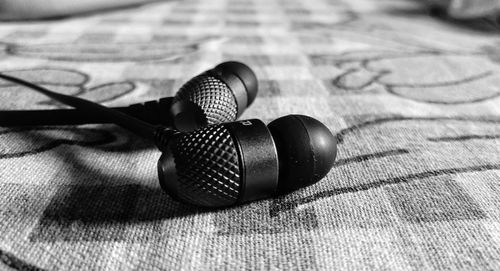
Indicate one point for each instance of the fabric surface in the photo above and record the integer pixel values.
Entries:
(469, 8)
(414, 101)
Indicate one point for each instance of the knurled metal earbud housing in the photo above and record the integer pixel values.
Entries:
(232, 163)
(221, 165)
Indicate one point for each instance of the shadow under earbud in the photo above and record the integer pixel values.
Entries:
(105, 213)
(100, 205)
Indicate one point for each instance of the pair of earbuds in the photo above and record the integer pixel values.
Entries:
(208, 158)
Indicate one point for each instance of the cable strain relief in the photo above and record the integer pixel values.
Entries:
(156, 112)
(163, 136)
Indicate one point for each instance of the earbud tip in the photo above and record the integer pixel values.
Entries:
(306, 151)
(246, 75)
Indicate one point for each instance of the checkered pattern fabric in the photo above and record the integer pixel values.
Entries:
(414, 101)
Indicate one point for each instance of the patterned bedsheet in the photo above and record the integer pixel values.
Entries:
(414, 101)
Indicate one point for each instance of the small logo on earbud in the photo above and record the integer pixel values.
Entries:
(246, 123)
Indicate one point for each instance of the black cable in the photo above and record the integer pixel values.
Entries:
(15, 118)
(157, 112)
(135, 125)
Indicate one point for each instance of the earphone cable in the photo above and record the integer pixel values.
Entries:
(135, 125)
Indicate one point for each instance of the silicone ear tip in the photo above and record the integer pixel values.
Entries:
(323, 143)
(306, 151)
(246, 75)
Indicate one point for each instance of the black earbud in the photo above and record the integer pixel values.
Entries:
(223, 93)
(232, 163)
(218, 95)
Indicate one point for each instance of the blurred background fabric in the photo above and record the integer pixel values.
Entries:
(413, 97)
(468, 8)
(39, 9)
(44, 9)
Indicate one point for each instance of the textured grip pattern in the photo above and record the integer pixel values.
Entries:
(207, 167)
(213, 96)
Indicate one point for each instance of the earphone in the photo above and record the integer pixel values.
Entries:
(215, 96)
(228, 163)
(237, 162)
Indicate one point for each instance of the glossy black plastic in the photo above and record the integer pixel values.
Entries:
(245, 74)
(258, 159)
(306, 151)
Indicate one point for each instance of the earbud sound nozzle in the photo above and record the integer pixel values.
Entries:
(245, 74)
(306, 151)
